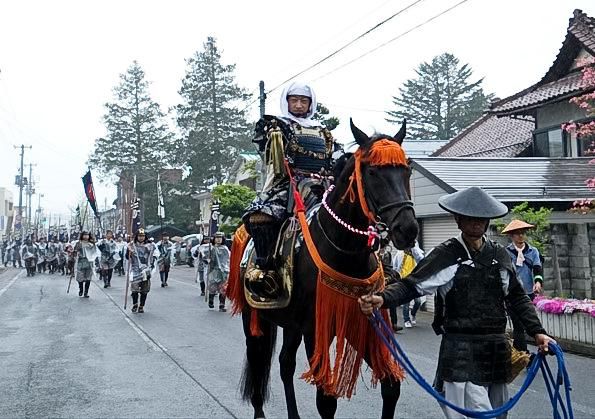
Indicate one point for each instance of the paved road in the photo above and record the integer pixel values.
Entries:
(62, 355)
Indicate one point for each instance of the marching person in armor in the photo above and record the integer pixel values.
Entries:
(475, 282)
(42, 253)
(140, 255)
(62, 257)
(119, 256)
(29, 252)
(85, 253)
(307, 147)
(218, 270)
(107, 261)
(165, 248)
(201, 253)
(16, 254)
(52, 255)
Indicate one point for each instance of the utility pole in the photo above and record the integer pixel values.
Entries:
(20, 183)
(30, 191)
(262, 98)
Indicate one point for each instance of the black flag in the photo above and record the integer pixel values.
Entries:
(135, 207)
(90, 192)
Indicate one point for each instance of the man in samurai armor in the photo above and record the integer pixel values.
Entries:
(475, 283)
(107, 260)
(303, 144)
(52, 255)
(69, 253)
(3, 248)
(165, 248)
(140, 255)
(29, 252)
(43, 250)
(218, 270)
(120, 249)
(62, 257)
(85, 253)
(201, 253)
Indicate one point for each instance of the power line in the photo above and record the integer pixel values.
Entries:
(392, 40)
(319, 47)
(332, 54)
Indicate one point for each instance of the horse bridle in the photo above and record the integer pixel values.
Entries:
(377, 228)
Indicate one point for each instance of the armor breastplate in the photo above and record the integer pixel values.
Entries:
(475, 304)
(474, 347)
(309, 149)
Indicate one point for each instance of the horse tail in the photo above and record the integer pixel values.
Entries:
(255, 379)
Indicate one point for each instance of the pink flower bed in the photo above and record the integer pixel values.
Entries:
(564, 305)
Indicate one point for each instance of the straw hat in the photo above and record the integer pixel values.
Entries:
(516, 225)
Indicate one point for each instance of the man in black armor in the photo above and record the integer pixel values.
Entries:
(307, 147)
(475, 282)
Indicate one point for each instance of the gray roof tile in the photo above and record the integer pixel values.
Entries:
(513, 179)
(491, 136)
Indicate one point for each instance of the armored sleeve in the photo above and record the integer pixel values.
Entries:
(434, 272)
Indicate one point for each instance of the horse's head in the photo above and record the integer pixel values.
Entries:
(379, 172)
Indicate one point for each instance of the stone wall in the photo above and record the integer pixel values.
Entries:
(575, 245)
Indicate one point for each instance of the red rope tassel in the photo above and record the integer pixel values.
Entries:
(235, 285)
(255, 329)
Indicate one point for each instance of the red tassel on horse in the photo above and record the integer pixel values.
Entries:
(235, 285)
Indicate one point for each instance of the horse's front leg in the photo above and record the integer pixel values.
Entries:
(390, 390)
(291, 342)
(326, 405)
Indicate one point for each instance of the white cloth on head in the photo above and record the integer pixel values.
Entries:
(299, 89)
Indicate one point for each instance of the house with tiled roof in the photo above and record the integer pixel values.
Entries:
(528, 123)
(519, 152)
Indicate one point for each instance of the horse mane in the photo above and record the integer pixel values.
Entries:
(383, 150)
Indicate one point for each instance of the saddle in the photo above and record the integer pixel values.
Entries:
(287, 245)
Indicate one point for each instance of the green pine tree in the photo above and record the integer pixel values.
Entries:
(323, 115)
(211, 116)
(138, 138)
(440, 101)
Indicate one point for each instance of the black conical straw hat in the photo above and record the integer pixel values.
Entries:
(473, 202)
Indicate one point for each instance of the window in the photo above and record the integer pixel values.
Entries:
(586, 146)
(551, 143)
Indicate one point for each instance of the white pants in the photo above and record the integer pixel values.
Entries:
(474, 397)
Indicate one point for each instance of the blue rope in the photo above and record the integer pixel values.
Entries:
(386, 335)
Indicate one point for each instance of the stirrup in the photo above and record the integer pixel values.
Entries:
(264, 283)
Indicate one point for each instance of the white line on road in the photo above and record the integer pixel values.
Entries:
(12, 281)
(153, 344)
(142, 335)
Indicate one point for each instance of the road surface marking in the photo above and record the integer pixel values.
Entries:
(12, 281)
(153, 344)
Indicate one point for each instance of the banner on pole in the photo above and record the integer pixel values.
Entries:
(90, 192)
(160, 201)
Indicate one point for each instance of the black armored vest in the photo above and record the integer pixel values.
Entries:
(475, 303)
(309, 149)
(474, 347)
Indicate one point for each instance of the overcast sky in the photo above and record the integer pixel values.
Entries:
(59, 61)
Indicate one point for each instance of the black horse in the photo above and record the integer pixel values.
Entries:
(387, 195)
